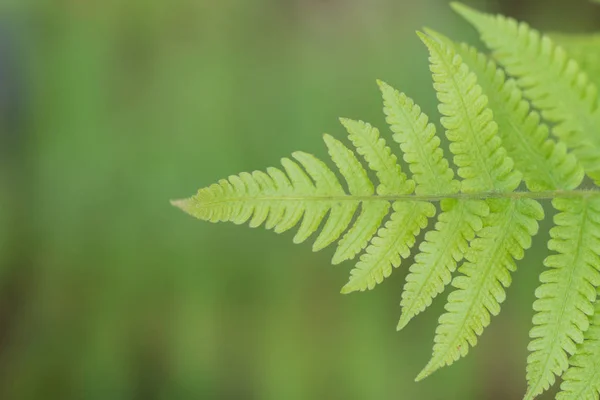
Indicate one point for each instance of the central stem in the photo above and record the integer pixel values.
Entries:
(551, 194)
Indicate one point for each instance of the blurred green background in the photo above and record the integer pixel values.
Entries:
(110, 108)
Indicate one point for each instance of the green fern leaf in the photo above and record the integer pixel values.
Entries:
(358, 182)
(582, 379)
(272, 198)
(482, 161)
(545, 164)
(326, 184)
(379, 156)
(554, 83)
(281, 199)
(358, 185)
(548, 91)
(485, 274)
(394, 241)
(567, 293)
(441, 250)
(583, 48)
(473, 134)
(496, 140)
(309, 191)
(444, 246)
(419, 143)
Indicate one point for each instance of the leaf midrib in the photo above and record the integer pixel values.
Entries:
(568, 297)
(465, 111)
(552, 85)
(416, 299)
(390, 250)
(507, 219)
(425, 159)
(542, 195)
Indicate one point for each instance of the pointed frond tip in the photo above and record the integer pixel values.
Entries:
(452, 213)
(182, 204)
(308, 192)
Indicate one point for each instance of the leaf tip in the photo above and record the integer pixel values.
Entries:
(347, 289)
(345, 123)
(352, 125)
(382, 84)
(330, 141)
(404, 320)
(336, 259)
(468, 13)
(180, 203)
(429, 369)
(422, 35)
(428, 40)
(422, 375)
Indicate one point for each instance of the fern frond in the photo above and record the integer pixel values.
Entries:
(394, 241)
(281, 199)
(441, 250)
(583, 48)
(276, 198)
(419, 143)
(567, 293)
(485, 225)
(485, 274)
(358, 185)
(379, 156)
(326, 184)
(372, 213)
(483, 165)
(444, 246)
(482, 161)
(358, 236)
(554, 83)
(308, 191)
(545, 164)
(582, 379)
